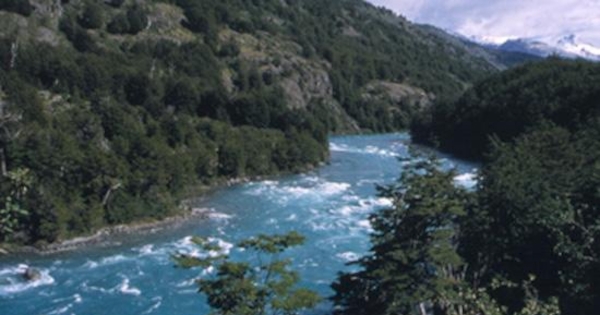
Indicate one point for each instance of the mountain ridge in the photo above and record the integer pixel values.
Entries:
(567, 46)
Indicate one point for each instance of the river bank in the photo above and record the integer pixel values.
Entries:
(104, 236)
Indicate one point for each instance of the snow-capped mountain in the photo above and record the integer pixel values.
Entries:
(571, 44)
(529, 46)
(567, 46)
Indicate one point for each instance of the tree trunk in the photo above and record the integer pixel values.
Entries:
(108, 192)
(14, 51)
(422, 309)
(3, 163)
(106, 196)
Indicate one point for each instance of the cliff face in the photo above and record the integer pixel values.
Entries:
(398, 93)
(302, 81)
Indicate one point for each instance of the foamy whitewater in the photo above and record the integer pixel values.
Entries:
(330, 206)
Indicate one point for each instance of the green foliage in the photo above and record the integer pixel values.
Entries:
(121, 145)
(413, 263)
(115, 3)
(22, 7)
(79, 37)
(384, 48)
(267, 286)
(92, 16)
(505, 105)
(137, 20)
(538, 205)
(273, 244)
(229, 49)
(380, 46)
(428, 255)
(118, 25)
(10, 215)
(538, 127)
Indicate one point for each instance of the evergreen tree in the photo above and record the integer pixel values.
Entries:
(416, 264)
(413, 266)
(137, 20)
(22, 7)
(92, 16)
(539, 213)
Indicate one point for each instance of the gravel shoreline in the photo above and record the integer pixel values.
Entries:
(102, 237)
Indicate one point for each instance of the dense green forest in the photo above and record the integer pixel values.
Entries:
(113, 111)
(524, 242)
(504, 106)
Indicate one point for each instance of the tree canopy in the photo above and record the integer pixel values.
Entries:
(428, 256)
(565, 92)
(261, 286)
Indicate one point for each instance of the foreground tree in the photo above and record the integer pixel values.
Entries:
(415, 266)
(539, 208)
(265, 286)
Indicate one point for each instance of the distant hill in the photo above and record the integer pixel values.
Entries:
(112, 110)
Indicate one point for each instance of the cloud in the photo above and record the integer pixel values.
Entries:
(506, 18)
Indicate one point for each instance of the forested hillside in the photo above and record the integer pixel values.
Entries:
(110, 111)
(564, 92)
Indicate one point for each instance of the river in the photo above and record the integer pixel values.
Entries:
(329, 206)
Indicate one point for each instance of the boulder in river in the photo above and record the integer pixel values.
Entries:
(32, 274)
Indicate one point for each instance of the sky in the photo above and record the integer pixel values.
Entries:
(498, 20)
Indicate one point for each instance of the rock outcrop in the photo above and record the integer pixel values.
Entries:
(32, 274)
(398, 93)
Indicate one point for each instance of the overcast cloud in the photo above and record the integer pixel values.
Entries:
(502, 19)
